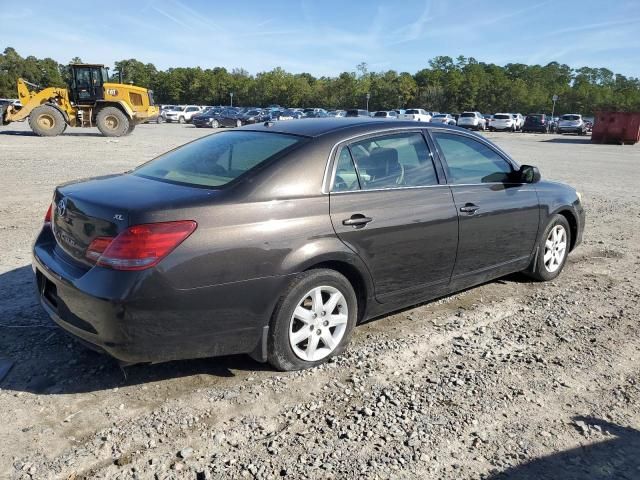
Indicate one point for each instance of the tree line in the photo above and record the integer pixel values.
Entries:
(446, 85)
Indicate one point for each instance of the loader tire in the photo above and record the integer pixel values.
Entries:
(47, 121)
(112, 122)
(130, 129)
(3, 109)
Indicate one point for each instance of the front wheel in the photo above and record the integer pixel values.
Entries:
(47, 121)
(552, 251)
(214, 124)
(313, 322)
(181, 120)
(238, 123)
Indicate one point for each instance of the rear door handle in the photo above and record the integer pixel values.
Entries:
(469, 208)
(357, 220)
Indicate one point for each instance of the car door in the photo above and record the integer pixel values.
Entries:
(499, 216)
(388, 206)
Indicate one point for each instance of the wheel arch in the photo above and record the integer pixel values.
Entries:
(573, 224)
(119, 104)
(65, 115)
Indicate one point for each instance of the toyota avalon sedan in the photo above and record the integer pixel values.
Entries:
(277, 239)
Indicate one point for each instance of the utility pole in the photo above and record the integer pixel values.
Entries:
(231, 95)
(368, 97)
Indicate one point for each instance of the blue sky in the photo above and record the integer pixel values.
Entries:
(326, 37)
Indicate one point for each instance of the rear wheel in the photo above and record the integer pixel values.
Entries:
(214, 124)
(238, 123)
(553, 248)
(112, 122)
(47, 121)
(314, 320)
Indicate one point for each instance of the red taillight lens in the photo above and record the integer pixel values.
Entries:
(140, 246)
(47, 216)
(97, 247)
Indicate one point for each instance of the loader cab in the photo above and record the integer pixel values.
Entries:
(86, 83)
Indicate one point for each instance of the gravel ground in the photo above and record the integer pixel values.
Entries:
(511, 379)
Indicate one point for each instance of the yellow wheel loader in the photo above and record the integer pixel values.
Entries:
(89, 101)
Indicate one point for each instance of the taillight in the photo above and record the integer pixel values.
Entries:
(47, 216)
(139, 246)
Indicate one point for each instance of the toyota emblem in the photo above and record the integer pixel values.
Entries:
(62, 207)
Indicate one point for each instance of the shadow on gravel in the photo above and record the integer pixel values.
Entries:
(573, 139)
(48, 361)
(617, 458)
(29, 133)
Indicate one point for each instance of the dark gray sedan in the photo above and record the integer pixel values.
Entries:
(277, 239)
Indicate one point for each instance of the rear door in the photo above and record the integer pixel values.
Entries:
(388, 205)
(499, 217)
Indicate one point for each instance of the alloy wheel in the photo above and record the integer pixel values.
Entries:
(318, 323)
(555, 248)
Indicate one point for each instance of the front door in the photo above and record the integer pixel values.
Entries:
(388, 206)
(499, 216)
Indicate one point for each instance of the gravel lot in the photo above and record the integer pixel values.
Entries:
(512, 379)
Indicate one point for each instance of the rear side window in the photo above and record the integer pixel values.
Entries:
(346, 177)
(470, 161)
(218, 159)
(393, 161)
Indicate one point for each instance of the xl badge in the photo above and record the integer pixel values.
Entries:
(62, 207)
(118, 216)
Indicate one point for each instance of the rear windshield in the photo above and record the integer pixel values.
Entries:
(571, 117)
(412, 112)
(468, 114)
(502, 117)
(440, 115)
(218, 159)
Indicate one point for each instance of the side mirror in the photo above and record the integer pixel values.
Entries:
(529, 174)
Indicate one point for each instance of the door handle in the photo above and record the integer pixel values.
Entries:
(469, 208)
(357, 220)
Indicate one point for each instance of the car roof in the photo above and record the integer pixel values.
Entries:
(316, 127)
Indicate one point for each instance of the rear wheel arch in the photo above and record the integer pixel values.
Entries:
(355, 277)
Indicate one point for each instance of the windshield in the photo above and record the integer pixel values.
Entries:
(440, 116)
(218, 159)
(572, 118)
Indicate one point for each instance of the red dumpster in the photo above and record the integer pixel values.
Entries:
(616, 127)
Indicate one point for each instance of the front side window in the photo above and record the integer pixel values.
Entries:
(218, 159)
(470, 161)
(393, 161)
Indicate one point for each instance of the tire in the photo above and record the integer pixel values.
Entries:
(283, 351)
(47, 121)
(181, 120)
(112, 122)
(215, 124)
(131, 128)
(544, 270)
(159, 119)
(238, 123)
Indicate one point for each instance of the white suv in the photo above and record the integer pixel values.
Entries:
(519, 119)
(503, 121)
(182, 113)
(473, 120)
(415, 114)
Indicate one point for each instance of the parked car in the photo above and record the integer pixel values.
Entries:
(385, 114)
(290, 114)
(355, 112)
(472, 120)
(276, 240)
(182, 114)
(536, 122)
(208, 118)
(231, 117)
(503, 121)
(519, 120)
(416, 115)
(445, 118)
(161, 115)
(316, 114)
(571, 123)
(337, 113)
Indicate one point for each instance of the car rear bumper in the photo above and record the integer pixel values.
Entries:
(138, 317)
(570, 129)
